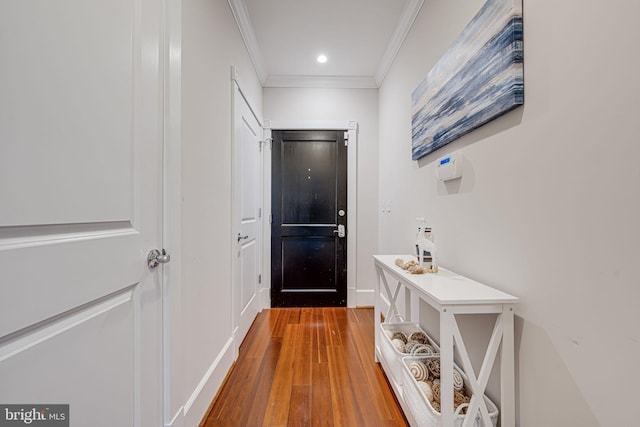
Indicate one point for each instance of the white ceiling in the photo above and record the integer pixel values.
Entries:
(359, 37)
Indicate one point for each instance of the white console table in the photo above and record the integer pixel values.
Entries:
(451, 294)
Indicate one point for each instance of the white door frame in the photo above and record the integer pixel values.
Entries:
(351, 129)
(172, 345)
(235, 295)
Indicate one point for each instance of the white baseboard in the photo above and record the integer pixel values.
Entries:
(178, 419)
(196, 406)
(265, 298)
(352, 300)
(365, 298)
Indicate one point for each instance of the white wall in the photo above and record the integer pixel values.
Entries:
(361, 105)
(211, 44)
(549, 203)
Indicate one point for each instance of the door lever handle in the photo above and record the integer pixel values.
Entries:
(340, 231)
(241, 237)
(155, 257)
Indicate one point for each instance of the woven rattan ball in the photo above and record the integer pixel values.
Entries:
(399, 336)
(434, 367)
(419, 337)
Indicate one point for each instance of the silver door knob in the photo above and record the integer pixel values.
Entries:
(156, 257)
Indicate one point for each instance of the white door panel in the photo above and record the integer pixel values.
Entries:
(248, 279)
(250, 169)
(80, 188)
(62, 275)
(64, 373)
(247, 222)
(66, 81)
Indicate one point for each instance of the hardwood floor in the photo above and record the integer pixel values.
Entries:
(307, 367)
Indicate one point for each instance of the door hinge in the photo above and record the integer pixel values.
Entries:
(270, 219)
(259, 279)
(346, 139)
(259, 212)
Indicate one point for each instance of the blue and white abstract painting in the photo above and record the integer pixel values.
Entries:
(478, 79)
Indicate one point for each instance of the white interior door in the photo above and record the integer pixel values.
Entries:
(247, 204)
(80, 208)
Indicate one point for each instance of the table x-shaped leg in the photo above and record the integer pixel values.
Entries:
(393, 308)
(477, 384)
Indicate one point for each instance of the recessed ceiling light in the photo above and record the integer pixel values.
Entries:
(322, 59)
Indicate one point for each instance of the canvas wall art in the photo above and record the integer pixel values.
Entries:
(477, 80)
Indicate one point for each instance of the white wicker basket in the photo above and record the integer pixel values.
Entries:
(421, 408)
(392, 356)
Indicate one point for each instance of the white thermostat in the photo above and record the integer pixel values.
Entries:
(449, 167)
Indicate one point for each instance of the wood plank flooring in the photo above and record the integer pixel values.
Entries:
(307, 367)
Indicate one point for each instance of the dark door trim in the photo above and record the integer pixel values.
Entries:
(354, 298)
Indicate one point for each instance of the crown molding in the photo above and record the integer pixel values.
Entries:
(240, 13)
(397, 38)
(342, 82)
